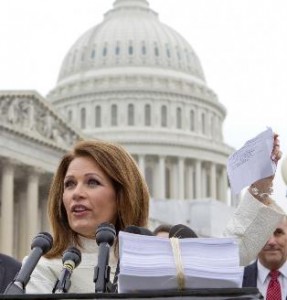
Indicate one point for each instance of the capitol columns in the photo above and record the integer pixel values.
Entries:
(22, 213)
(189, 182)
(213, 190)
(141, 163)
(181, 178)
(162, 181)
(7, 207)
(198, 181)
(224, 185)
(32, 204)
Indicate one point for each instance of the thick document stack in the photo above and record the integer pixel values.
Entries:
(154, 263)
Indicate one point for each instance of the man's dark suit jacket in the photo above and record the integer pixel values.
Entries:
(250, 275)
(9, 267)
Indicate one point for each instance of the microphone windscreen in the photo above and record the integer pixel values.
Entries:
(105, 233)
(72, 254)
(138, 230)
(181, 231)
(42, 240)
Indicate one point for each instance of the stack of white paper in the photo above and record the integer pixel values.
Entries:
(147, 263)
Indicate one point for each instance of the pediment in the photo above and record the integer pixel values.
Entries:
(28, 114)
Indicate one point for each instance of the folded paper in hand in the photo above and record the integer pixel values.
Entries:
(148, 263)
(251, 162)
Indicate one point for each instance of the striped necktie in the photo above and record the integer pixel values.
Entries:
(274, 289)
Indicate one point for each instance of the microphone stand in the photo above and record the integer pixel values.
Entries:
(105, 236)
(41, 244)
(15, 288)
(102, 270)
(71, 259)
(62, 287)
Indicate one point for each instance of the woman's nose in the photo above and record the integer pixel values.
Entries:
(78, 192)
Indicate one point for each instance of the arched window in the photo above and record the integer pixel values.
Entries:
(117, 50)
(83, 55)
(167, 51)
(156, 51)
(143, 49)
(98, 116)
(131, 115)
(131, 49)
(147, 115)
(192, 121)
(164, 116)
(93, 54)
(83, 118)
(178, 118)
(212, 126)
(70, 115)
(105, 50)
(178, 53)
(114, 115)
(203, 127)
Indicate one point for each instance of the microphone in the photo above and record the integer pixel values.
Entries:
(181, 231)
(71, 259)
(41, 244)
(105, 235)
(138, 230)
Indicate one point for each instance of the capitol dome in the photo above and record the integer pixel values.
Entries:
(136, 81)
(130, 35)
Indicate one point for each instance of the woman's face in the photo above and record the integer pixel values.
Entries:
(89, 196)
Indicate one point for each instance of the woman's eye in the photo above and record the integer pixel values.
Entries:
(93, 182)
(68, 184)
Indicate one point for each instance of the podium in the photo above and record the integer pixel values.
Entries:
(192, 294)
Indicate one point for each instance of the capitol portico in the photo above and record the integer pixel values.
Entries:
(33, 138)
(130, 79)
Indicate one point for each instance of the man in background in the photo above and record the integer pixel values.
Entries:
(269, 272)
(9, 267)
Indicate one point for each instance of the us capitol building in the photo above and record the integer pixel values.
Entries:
(133, 80)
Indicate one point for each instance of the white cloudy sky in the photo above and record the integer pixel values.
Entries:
(242, 45)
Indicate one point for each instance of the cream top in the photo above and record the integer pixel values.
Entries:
(47, 271)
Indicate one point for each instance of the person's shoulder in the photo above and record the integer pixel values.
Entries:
(46, 265)
(46, 269)
(251, 266)
(9, 260)
(44, 275)
(47, 261)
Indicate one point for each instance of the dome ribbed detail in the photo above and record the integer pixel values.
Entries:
(131, 35)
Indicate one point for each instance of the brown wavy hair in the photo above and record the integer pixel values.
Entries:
(132, 197)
